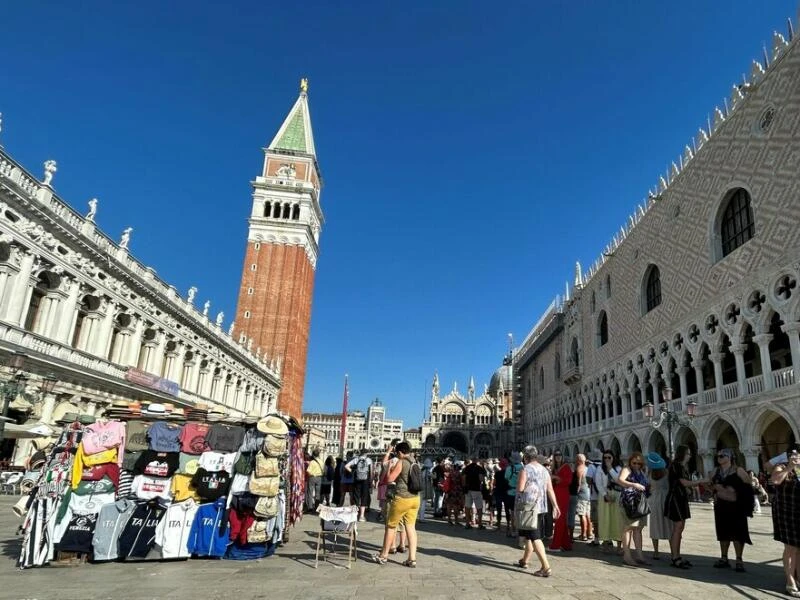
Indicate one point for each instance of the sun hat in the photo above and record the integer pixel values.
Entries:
(596, 456)
(272, 425)
(154, 408)
(516, 457)
(655, 461)
(428, 464)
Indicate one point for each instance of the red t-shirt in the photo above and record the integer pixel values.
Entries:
(193, 438)
(97, 472)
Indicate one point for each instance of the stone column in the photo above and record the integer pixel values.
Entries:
(656, 399)
(103, 338)
(707, 457)
(69, 314)
(157, 356)
(682, 378)
(698, 374)
(48, 406)
(131, 358)
(716, 358)
(642, 393)
(20, 292)
(5, 285)
(751, 459)
(791, 330)
(89, 331)
(741, 376)
(763, 340)
(177, 367)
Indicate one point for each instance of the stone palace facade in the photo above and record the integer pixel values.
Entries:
(84, 310)
(696, 293)
(371, 431)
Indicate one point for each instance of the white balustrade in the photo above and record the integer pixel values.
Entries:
(783, 377)
(731, 390)
(710, 397)
(755, 385)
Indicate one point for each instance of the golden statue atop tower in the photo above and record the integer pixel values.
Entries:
(304, 85)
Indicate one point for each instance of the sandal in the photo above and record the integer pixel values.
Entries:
(379, 559)
(679, 563)
(793, 591)
(641, 561)
(411, 564)
(543, 572)
(739, 567)
(722, 563)
(521, 564)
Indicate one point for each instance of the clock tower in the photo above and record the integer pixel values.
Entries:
(274, 306)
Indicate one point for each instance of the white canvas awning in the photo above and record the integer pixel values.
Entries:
(31, 430)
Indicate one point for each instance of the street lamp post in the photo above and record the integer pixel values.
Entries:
(670, 417)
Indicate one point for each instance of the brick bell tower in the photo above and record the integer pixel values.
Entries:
(274, 307)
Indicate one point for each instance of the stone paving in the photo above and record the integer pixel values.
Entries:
(452, 563)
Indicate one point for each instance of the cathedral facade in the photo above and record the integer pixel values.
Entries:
(484, 426)
(693, 307)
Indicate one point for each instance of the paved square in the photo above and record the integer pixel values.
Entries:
(452, 563)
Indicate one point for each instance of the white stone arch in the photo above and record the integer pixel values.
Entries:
(757, 420)
(712, 426)
(717, 210)
(629, 445)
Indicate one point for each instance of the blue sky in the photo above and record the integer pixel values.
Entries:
(471, 154)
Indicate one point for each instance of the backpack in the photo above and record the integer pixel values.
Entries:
(512, 477)
(414, 483)
(362, 469)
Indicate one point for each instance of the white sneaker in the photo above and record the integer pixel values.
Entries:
(362, 520)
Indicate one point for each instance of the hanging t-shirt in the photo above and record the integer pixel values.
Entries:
(240, 483)
(217, 461)
(211, 486)
(89, 488)
(139, 533)
(193, 438)
(172, 533)
(182, 488)
(137, 435)
(77, 537)
(225, 438)
(130, 458)
(103, 435)
(164, 436)
(97, 472)
(147, 488)
(156, 464)
(125, 483)
(188, 463)
(110, 522)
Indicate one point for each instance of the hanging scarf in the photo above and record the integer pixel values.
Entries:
(297, 478)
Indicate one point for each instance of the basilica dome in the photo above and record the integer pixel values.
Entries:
(503, 374)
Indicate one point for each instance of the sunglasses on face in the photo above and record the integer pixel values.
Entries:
(608, 458)
(636, 464)
(721, 456)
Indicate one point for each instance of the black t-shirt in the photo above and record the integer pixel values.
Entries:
(78, 535)
(157, 464)
(139, 534)
(501, 485)
(438, 473)
(210, 486)
(473, 473)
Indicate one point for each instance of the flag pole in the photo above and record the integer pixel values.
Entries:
(343, 431)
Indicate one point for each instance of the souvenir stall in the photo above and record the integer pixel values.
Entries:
(157, 483)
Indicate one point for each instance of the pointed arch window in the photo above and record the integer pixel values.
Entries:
(737, 225)
(652, 288)
(602, 329)
(541, 378)
(557, 368)
(593, 303)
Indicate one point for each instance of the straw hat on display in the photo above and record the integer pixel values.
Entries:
(272, 425)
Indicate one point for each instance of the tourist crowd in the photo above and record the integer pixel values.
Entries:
(547, 503)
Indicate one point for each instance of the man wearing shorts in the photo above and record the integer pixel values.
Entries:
(361, 470)
(472, 477)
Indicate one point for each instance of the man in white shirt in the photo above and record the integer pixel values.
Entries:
(595, 460)
(361, 469)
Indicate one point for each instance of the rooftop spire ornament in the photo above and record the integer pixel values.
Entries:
(304, 85)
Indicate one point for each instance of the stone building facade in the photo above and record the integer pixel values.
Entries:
(484, 426)
(371, 430)
(83, 309)
(274, 308)
(696, 293)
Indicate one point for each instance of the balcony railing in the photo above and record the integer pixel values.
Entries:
(755, 385)
(783, 377)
